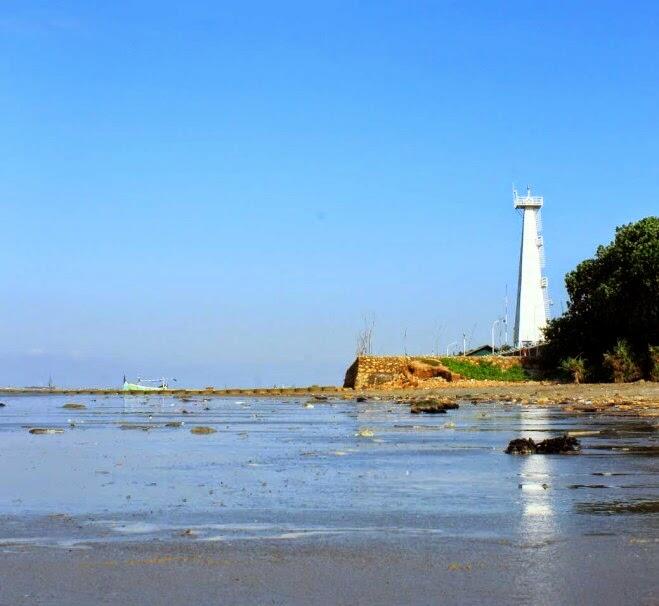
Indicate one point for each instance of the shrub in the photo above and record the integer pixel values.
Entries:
(481, 369)
(621, 364)
(654, 362)
(575, 367)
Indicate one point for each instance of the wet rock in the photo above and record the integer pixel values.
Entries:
(74, 406)
(365, 432)
(361, 398)
(415, 410)
(561, 445)
(202, 430)
(2, 405)
(320, 398)
(40, 431)
(432, 407)
(189, 533)
(126, 426)
(521, 446)
(174, 424)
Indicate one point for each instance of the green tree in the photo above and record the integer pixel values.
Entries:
(612, 297)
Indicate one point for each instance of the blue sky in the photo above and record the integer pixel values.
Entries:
(220, 191)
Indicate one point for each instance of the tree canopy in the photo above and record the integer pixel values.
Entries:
(613, 298)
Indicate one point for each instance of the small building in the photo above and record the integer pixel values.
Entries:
(483, 350)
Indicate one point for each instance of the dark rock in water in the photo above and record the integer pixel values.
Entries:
(451, 405)
(521, 446)
(74, 406)
(45, 431)
(202, 430)
(361, 398)
(2, 405)
(319, 398)
(431, 410)
(561, 445)
(432, 407)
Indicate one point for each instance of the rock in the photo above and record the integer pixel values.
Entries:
(40, 431)
(521, 446)
(202, 430)
(561, 445)
(432, 407)
(309, 405)
(415, 410)
(365, 432)
(2, 405)
(361, 398)
(189, 533)
(74, 406)
(135, 426)
(319, 398)
(174, 424)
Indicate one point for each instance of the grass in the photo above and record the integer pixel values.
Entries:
(480, 369)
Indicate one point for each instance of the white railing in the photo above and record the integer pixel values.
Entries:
(527, 201)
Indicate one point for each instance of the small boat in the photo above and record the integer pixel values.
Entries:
(147, 384)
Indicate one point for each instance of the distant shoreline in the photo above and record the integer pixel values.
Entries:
(636, 397)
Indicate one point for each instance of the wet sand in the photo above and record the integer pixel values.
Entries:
(293, 501)
(586, 570)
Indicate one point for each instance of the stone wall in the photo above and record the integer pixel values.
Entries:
(371, 371)
(400, 371)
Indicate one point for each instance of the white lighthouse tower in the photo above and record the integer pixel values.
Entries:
(532, 295)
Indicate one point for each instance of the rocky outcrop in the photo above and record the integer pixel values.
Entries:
(395, 371)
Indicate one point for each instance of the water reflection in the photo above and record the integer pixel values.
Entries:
(537, 522)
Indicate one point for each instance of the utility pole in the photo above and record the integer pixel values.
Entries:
(493, 325)
(505, 317)
(464, 344)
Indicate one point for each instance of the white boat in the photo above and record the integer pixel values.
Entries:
(146, 384)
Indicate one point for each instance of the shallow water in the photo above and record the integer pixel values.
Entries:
(276, 469)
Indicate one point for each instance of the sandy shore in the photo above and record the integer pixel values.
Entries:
(589, 397)
(643, 392)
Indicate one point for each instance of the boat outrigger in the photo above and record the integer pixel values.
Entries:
(147, 384)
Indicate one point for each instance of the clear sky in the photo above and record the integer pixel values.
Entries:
(219, 191)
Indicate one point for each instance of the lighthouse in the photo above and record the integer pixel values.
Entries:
(532, 295)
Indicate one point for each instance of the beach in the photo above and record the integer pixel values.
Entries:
(299, 500)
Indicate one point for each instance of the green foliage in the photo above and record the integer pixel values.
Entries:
(654, 362)
(621, 364)
(575, 367)
(612, 297)
(484, 370)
